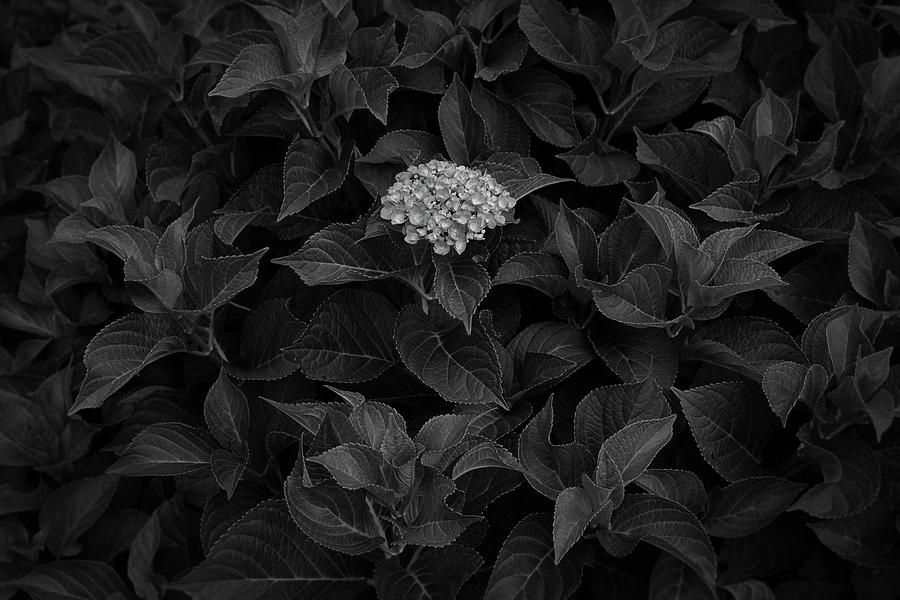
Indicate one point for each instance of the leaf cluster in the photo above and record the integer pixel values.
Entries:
(670, 376)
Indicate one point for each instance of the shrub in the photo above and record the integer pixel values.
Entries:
(356, 299)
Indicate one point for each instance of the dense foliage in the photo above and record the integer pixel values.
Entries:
(229, 370)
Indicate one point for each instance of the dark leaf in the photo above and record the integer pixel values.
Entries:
(462, 368)
(264, 554)
(226, 413)
(461, 126)
(460, 285)
(81, 579)
(165, 449)
(544, 102)
(432, 574)
(569, 40)
(671, 578)
(550, 468)
(852, 478)
(121, 350)
(636, 354)
(731, 424)
(362, 87)
(670, 527)
(525, 567)
(344, 344)
(310, 173)
(748, 505)
(683, 487)
(72, 509)
(608, 409)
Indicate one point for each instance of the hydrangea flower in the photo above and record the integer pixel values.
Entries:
(446, 203)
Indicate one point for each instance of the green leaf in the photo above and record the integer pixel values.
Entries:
(460, 285)
(765, 246)
(121, 350)
(636, 354)
(71, 510)
(748, 346)
(334, 517)
(118, 54)
(356, 466)
(257, 67)
(787, 383)
(693, 161)
(670, 527)
(75, 579)
(766, 14)
(429, 35)
(550, 468)
(734, 201)
(313, 41)
(212, 280)
(683, 487)
(596, 163)
(267, 330)
(112, 179)
(627, 244)
(485, 455)
(431, 574)
(872, 262)
(573, 512)
(731, 425)
(639, 299)
(311, 173)
(671, 578)
(340, 254)
(520, 175)
(165, 449)
(505, 129)
(362, 87)
(525, 566)
(608, 409)
(545, 104)
(223, 51)
(461, 126)
(31, 318)
(461, 368)
(735, 276)
(661, 102)
(503, 55)
(813, 287)
(228, 468)
(569, 40)
(544, 352)
(543, 272)
(576, 240)
(428, 521)
(832, 82)
(748, 505)
(393, 152)
(852, 479)
(226, 413)
(867, 539)
(672, 229)
(634, 447)
(699, 47)
(344, 344)
(829, 215)
(264, 554)
(749, 589)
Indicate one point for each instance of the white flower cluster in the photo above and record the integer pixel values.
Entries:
(445, 203)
